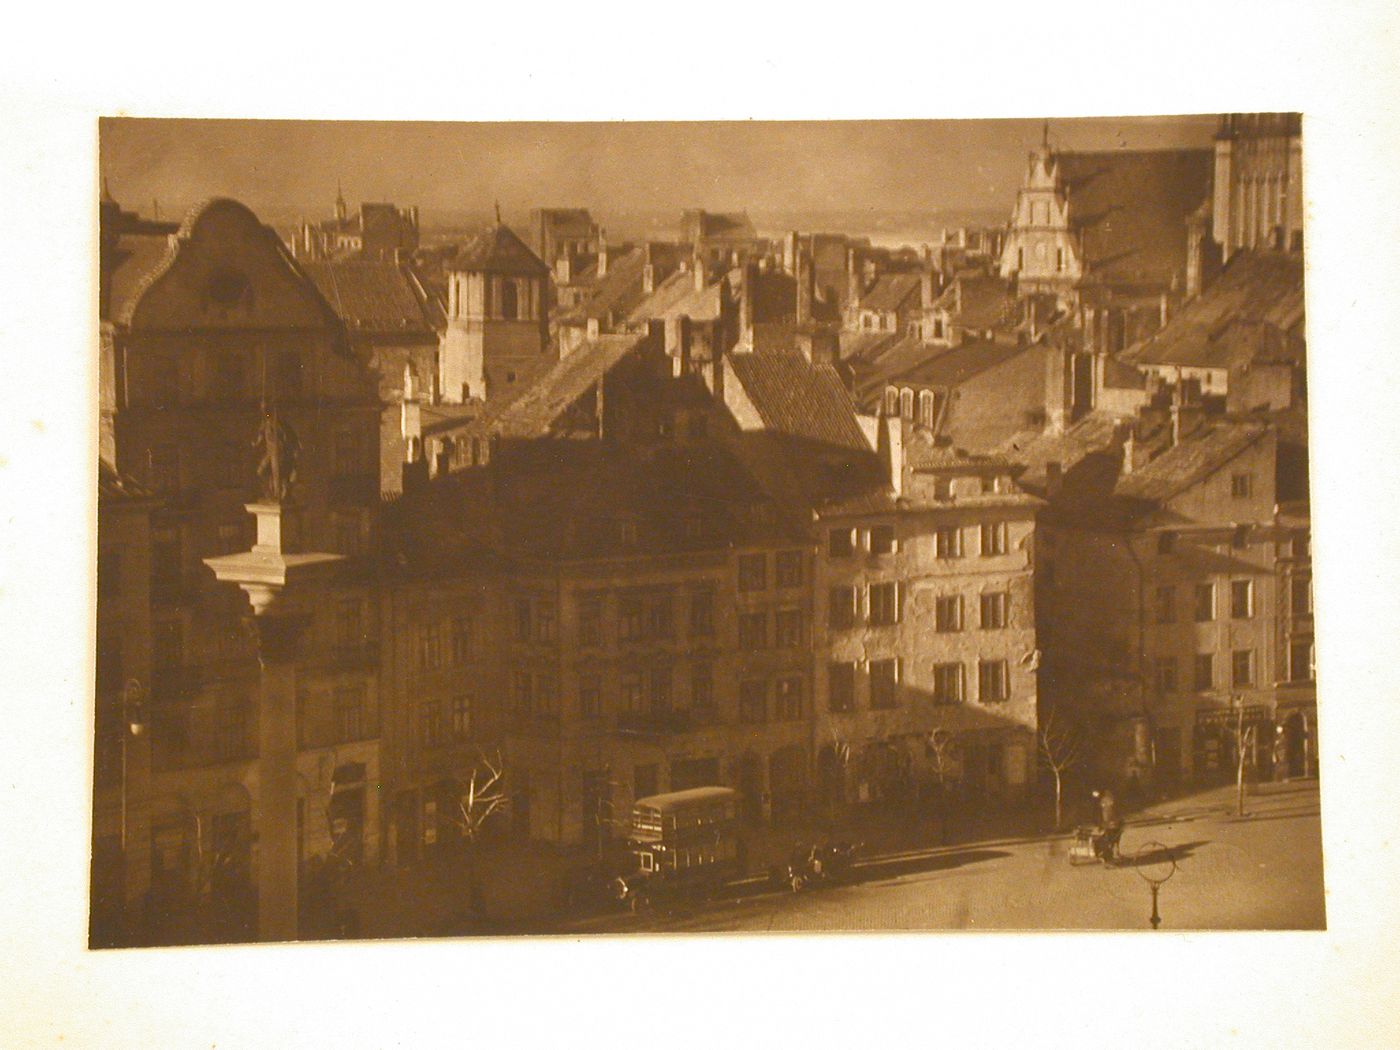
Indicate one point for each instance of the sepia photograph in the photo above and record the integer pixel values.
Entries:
(702, 527)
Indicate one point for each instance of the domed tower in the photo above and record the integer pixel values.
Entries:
(497, 337)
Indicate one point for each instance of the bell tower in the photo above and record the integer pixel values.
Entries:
(497, 337)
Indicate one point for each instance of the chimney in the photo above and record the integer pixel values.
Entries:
(563, 268)
(1057, 389)
(678, 339)
(602, 252)
(804, 287)
(790, 250)
(1129, 449)
(697, 269)
(891, 451)
(648, 271)
(746, 296)
(1165, 309)
(853, 285)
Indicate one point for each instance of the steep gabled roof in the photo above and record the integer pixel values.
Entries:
(800, 399)
(1189, 461)
(956, 366)
(978, 301)
(893, 291)
(497, 249)
(547, 398)
(677, 296)
(372, 297)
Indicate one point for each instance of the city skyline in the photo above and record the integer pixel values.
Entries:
(448, 169)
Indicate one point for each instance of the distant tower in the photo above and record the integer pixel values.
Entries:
(497, 337)
(341, 211)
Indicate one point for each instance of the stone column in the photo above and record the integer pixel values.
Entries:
(278, 636)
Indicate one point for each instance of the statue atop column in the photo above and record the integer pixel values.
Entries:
(277, 447)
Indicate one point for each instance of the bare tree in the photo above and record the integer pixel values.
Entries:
(1244, 741)
(942, 750)
(1061, 746)
(483, 799)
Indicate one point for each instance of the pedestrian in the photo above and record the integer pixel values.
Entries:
(1108, 809)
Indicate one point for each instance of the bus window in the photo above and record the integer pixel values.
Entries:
(646, 861)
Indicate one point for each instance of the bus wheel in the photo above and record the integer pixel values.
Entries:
(796, 883)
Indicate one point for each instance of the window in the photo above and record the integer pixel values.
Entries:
(163, 463)
(1205, 602)
(991, 484)
(1242, 667)
(787, 700)
(753, 701)
(590, 696)
(1241, 599)
(1241, 486)
(1300, 596)
(632, 692)
(630, 618)
(753, 572)
(166, 559)
(702, 692)
(1059, 260)
(753, 630)
(788, 628)
(994, 610)
(947, 613)
(906, 404)
(884, 604)
(891, 399)
(947, 683)
(348, 702)
(1204, 678)
(462, 630)
(430, 723)
(349, 624)
(659, 688)
(1165, 604)
(882, 539)
(546, 696)
(884, 683)
(842, 612)
(523, 693)
(461, 716)
(1166, 674)
(1166, 543)
(659, 619)
(788, 568)
(428, 644)
(702, 613)
(993, 538)
(841, 686)
(1301, 660)
(947, 542)
(590, 620)
(509, 303)
(926, 409)
(992, 684)
(524, 619)
(840, 543)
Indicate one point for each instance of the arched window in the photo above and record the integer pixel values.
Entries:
(906, 403)
(926, 408)
(891, 401)
(510, 308)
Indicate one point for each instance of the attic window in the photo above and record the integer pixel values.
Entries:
(228, 287)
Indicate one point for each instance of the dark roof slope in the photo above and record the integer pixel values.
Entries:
(893, 291)
(1254, 308)
(497, 249)
(956, 366)
(800, 399)
(1201, 454)
(547, 398)
(372, 297)
(1130, 207)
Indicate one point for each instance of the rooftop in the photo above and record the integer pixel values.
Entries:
(373, 297)
(497, 249)
(795, 397)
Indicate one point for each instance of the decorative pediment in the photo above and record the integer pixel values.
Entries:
(226, 270)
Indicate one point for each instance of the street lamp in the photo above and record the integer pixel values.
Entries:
(133, 724)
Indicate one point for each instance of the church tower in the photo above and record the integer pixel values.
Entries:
(497, 337)
(1040, 250)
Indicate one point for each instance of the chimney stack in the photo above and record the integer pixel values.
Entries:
(853, 284)
(804, 287)
(602, 252)
(648, 271)
(746, 302)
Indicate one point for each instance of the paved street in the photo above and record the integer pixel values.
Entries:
(1262, 871)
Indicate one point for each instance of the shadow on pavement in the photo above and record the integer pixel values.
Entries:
(875, 868)
(1174, 854)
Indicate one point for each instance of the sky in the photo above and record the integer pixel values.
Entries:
(763, 166)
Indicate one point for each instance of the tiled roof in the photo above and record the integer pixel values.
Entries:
(677, 296)
(547, 398)
(1253, 309)
(135, 258)
(497, 249)
(978, 302)
(893, 291)
(1130, 207)
(372, 297)
(1198, 456)
(956, 366)
(877, 369)
(800, 399)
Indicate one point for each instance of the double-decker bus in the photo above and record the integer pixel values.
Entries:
(684, 842)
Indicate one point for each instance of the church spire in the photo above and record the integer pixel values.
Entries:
(340, 208)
